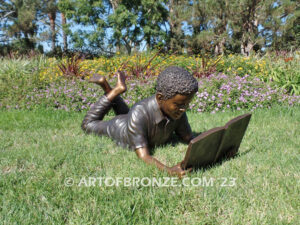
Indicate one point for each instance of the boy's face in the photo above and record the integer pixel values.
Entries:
(175, 106)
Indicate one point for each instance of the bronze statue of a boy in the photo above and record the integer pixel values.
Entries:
(149, 122)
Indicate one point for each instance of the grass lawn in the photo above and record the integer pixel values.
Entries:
(40, 149)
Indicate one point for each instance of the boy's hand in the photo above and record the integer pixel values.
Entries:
(177, 170)
(143, 153)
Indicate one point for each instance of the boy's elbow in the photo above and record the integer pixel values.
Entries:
(85, 126)
(187, 138)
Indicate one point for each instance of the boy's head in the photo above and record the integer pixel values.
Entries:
(175, 80)
(175, 88)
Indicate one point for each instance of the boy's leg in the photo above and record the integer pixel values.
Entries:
(92, 122)
(118, 104)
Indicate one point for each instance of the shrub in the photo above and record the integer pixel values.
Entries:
(219, 92)
(70, 67)
(280, 72)
(284, 74)
(19, 77)
(241, 66)
(78, 95)
(40, 83)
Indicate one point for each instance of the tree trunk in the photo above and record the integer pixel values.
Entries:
(175, 43)
(127, 46)
(52, 17)
(114, 4)
(171, 11)
(219, 48)
(250, 26)
(247, 47)
(65, 40)
(248, 44)
(29, 44)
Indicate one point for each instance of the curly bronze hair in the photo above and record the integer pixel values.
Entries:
(175, 80)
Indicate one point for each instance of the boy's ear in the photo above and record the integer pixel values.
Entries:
(159, 97)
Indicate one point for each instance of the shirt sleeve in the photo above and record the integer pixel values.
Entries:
(137, 127)
(183, 129)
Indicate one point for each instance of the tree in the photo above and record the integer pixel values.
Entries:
(201, 40)
(245, 23)
(219, 17)
(49, 9)
(64, 33)
(136, 21)
(18, 19)
(178, 13)
(282, 26)
(154, 16)
(91, 16)
(125, 23)
(63, 7)
(260, 22)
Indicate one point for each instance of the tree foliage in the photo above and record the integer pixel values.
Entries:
(18, 22)
(182, 26)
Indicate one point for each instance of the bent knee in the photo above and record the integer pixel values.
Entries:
(85, 126)
(97, 127)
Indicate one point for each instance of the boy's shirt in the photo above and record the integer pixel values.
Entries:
(146, 126)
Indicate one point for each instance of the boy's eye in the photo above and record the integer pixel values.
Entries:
(181, 106)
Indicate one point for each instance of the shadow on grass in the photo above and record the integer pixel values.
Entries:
(173, 141)
(220, 161)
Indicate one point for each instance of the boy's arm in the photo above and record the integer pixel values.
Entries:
(143, 153)
(187, 138)
(184, 130)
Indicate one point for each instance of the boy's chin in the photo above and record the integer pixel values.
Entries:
(176, 116)
(173, 116)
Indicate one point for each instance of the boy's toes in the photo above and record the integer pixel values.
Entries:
(96, 78)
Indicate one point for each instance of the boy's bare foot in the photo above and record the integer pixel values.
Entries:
(100, 80)
(120, 87)
(97, 79)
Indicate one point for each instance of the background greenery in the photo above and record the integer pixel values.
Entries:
(104, 27)
(229, 82)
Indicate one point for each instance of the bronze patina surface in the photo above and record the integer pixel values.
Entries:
(144, 125)
(215, 144)
(149, 122)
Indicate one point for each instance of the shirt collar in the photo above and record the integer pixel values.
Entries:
(158, 115)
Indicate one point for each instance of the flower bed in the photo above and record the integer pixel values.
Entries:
(243, 83)
(217, 92)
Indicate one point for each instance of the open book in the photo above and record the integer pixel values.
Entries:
(212, 145)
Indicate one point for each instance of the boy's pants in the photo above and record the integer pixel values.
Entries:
(92, 122)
